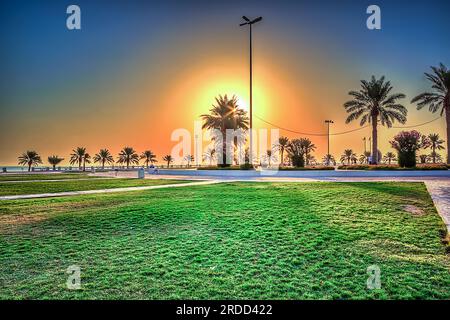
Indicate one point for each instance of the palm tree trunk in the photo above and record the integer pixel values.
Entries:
(224, 149)
(282, 151)
(433, 149)
(374, 140)
(103, 164)
(54, 167)
(447, 120)
(29, 167)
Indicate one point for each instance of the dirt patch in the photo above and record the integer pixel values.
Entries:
(415, 211)
(10, 223)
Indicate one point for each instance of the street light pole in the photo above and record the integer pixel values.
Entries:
(328, 122)
(196, 149)
(365, 148)
(250, 23)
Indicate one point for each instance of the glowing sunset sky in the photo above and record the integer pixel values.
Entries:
(140, 69)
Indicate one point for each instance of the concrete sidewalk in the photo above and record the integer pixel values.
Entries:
(440, 193)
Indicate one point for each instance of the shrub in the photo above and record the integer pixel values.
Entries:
(305, 168)
(353, 167)
(224, 168)
(428, 166)
(298, 161)
(407, 159)
(246, 166)
(407, 143)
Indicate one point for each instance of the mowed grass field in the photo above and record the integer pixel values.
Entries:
(34, 187)
(227, 241)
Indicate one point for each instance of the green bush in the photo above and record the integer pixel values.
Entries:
(246, 166)
(354, 167)
(305, 168)
(427, 166)
(298, 161)
(407, 159)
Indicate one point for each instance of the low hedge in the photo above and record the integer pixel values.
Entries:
(247, 167)
(243, 167)
(305, 168)
(394, 167)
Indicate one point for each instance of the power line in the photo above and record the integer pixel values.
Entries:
(337, 133)
(418, 125)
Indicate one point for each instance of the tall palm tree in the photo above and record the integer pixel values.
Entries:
(435, 143)
(423, 158)
(225, 114)
(348, 156)
(364, 158)
(54, 161)
(372, 103)
(283, 142)
(310, 159)
(128, 155)
(210, 155)
(86, 159)
(270, 156)
(29, 158)
(78, 155)
(439, 99)
(104, 156)
(189, 158)
(168, 158)
(149, 157)
(389, 157)
(296, 152)
(327, 159)
(436, 157)
(307, 147)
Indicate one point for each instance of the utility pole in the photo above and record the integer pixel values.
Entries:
(328, 122)
(250, 23)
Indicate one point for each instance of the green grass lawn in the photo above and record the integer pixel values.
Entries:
(8, 189)
(48, 176)
(227, 241)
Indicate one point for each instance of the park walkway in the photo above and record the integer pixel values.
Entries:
(440, 193)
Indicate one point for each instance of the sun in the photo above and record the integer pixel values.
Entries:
(242, 104)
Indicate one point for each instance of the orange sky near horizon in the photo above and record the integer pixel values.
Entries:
(140, 111)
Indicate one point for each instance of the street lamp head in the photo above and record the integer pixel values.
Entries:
(250, 22)
(329, 121)
(256, 20)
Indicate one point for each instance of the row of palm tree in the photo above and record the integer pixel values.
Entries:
(432, 141)
(374, 103)
(81, 157)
